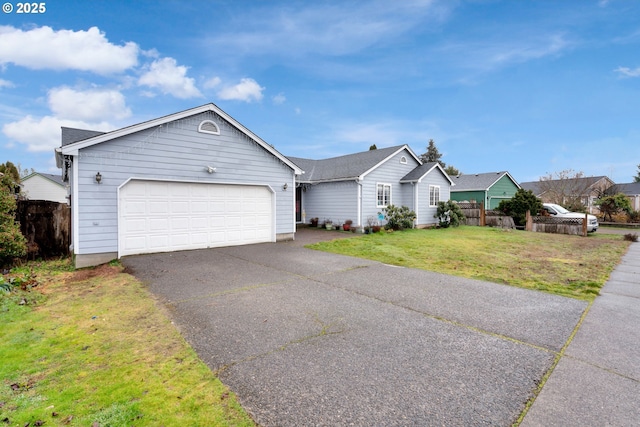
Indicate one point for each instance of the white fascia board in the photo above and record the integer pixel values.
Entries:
(404, 147)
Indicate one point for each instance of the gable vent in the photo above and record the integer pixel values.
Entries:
(207, 126)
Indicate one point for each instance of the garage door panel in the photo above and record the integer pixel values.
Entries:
(157, 216)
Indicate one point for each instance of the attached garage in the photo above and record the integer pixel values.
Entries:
(194, 179)
(164, 216)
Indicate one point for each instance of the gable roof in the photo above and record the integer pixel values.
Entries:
(56, 179)
(630, 189)
(479, 181)
(71, 135)
(350, 166)
(584, 182)
(74, 146)
(422, 170)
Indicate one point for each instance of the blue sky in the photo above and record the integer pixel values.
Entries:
(531, 87)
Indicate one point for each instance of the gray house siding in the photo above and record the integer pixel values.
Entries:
(174, 151)
(389, 172)
(336, 201)
(425, 212)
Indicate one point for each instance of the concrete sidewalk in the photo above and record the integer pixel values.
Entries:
(597, 380)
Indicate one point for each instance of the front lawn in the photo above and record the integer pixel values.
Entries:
(565, 265)
(92, 348)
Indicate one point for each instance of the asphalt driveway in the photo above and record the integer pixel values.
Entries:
(311, 338)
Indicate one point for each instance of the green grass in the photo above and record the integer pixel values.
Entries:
(92, 346)
(565, 265)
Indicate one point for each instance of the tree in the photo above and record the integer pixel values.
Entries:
(432, 155)
(566, 188)
(451, 171)
(449, 214)
(12, 242)
(10, 177)
(637, 177)
(373, 147)
(519, 204)
(612, 205)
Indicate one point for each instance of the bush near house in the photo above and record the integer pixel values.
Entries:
(519, 204)
(12, 242)
(449, 214)
(398, 218)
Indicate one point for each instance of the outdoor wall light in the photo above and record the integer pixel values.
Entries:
(210, 169)
(285, 186)
(98, 178)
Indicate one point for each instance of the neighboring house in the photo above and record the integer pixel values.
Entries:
(189, 180)
(587, 190)
(487, 188)
(632, 190)
(44, 186)
(358, 186)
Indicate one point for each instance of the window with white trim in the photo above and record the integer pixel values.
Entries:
(207, 126)
(403, 160)
(434, 195)
(384, 195)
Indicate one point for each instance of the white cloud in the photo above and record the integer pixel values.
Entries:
(43, 48)
(44, 134)
(92, 105)
(628, 72)
(247, 90)
(279, 99)
(170, 78)
(5, 83)
(212, 82)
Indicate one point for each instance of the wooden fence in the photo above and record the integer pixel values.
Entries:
(46, 226)
(475, 214)
(549, 224)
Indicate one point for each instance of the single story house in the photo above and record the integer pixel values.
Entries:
(632, 191)
(190, 180)
(487, 188)
(358, 186)
(561, 191)
(44, 186)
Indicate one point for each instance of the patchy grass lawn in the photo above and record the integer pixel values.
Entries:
(92, 347)
(565, 265)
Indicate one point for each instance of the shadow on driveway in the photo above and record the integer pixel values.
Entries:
(311, 338)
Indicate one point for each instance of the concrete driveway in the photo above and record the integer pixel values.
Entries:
(309, 338)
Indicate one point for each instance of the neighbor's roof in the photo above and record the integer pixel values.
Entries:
(57, 179)
(479, 181)
(350, 166)
(73, 145)
(630, 189)
(537, 189)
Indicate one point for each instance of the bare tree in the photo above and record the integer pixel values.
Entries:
(568, 188)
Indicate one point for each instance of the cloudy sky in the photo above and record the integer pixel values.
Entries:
(530, 87)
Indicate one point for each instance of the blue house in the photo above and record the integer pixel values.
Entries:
(358, 186)
(190, 180)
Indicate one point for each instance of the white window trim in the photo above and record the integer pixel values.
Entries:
(434, 187)
(384, 184)
(211, 122)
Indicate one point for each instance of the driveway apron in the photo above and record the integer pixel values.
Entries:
(310, 338)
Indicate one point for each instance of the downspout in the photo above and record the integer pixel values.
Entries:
(359, 207)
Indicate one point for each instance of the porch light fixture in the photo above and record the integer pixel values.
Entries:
(98, 178)
(285, 186)
(210, 169)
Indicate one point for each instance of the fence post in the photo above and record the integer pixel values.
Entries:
(483, 219)
(584, 224)
(529, 221)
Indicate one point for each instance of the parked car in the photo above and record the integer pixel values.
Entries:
(560, 212)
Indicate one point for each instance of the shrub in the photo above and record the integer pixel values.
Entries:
(12, 242)
(398, 218)
(449, 214)
(519, 204)
(634, 216)
(632, 237)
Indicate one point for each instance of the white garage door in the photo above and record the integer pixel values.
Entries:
(158, 216)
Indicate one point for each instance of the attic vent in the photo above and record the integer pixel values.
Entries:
(403, 160)
(207, 126)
